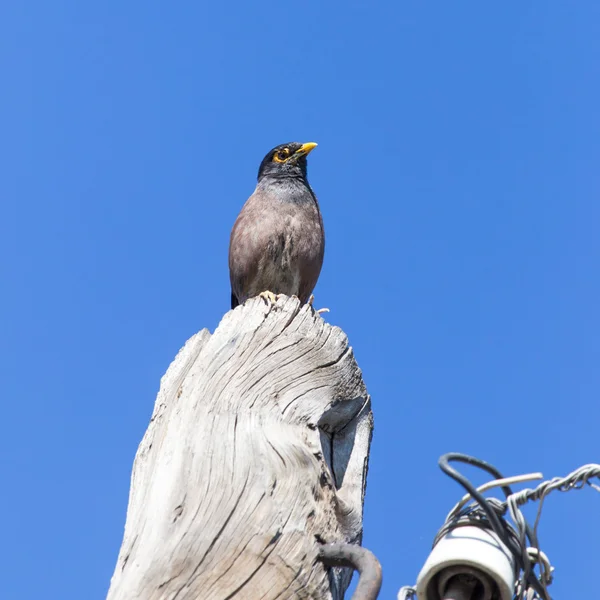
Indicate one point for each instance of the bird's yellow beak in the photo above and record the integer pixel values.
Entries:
(306, 148)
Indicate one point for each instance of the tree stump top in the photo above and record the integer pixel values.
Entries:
(255, 454)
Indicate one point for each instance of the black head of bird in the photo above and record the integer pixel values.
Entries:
(286, 161)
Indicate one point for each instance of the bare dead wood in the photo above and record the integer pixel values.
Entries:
(256, 453)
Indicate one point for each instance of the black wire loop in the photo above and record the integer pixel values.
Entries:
(516, 543)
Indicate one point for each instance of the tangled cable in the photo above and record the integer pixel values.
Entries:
(521, 540)
(576, 480)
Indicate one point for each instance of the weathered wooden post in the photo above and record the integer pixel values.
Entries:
(256, 454)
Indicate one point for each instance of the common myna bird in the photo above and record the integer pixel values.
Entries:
(278, 242)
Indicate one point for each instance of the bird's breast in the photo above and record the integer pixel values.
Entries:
(277, 245)
(294, 246)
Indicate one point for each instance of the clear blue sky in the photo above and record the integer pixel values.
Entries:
(458, 176)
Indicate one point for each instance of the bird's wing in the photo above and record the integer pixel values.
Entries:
(248, 244)
(234, 300)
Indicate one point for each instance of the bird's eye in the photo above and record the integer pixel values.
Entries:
(281, 155)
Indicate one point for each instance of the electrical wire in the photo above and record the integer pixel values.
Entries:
(516, 545)
(575, 480)
(492, 484)
(489, 513)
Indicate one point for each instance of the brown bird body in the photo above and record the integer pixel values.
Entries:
(278, 243)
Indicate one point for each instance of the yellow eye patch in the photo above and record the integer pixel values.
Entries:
(281, 155)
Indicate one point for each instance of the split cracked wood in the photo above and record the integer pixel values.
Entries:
(256, 453)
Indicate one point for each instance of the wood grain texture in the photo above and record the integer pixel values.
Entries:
(256, 451)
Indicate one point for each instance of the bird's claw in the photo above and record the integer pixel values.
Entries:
(320, 310)
(269, 297)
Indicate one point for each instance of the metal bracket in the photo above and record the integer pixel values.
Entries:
(360, 559)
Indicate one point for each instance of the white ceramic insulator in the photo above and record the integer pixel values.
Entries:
(472, 548)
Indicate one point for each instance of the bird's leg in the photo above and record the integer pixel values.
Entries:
(321, 310)
(268, 297)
